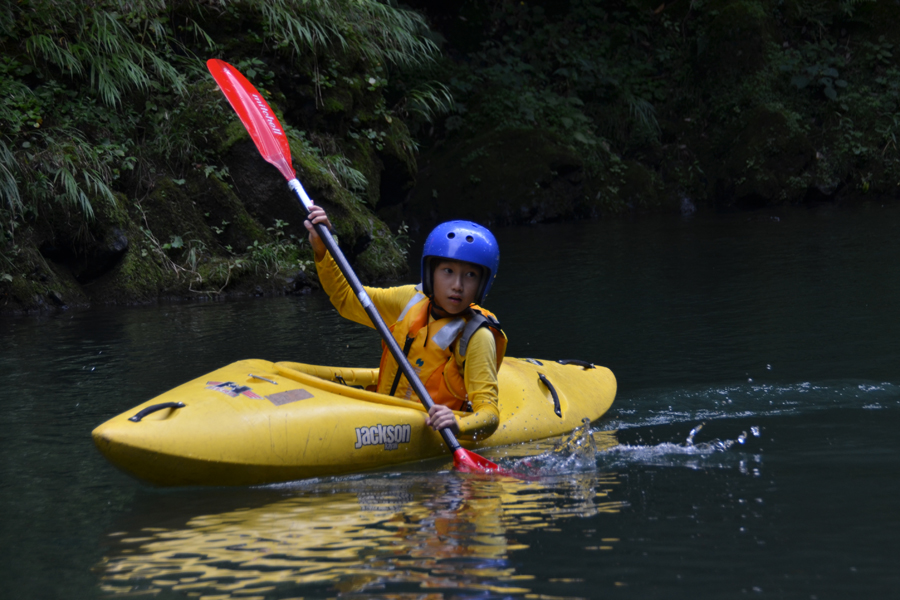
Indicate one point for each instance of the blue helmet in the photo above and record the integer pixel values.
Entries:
(465, 241)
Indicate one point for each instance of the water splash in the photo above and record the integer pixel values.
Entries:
(713, 453)
(717, 445)
(575, 452)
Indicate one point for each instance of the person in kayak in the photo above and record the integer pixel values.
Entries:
(454, 345)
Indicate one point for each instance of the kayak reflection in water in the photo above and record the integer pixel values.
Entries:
(453, 344)
(350, 535)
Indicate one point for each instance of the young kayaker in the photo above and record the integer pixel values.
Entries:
(453, 344)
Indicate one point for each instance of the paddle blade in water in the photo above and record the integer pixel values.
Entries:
(469, 462)
(256, 115)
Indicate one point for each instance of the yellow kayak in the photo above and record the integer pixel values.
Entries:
(254, 421)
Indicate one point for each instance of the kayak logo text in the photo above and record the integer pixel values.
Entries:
(389, 435)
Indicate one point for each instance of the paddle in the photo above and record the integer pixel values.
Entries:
(263, 126)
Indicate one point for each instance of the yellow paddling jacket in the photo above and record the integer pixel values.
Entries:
(478, 367)
(429, 344)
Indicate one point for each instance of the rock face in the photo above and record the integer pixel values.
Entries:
(768, 160)
(501, 178)
(193, 237)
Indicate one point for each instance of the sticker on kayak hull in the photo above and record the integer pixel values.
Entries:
(230, 388)
(389, 435)
(282, 398)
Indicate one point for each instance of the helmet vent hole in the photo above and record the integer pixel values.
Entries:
(451, 235)
(470, 239)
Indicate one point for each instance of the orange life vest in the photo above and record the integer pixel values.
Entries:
(429, 348)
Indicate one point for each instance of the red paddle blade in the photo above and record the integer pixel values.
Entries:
(256, 115)
(469, 462)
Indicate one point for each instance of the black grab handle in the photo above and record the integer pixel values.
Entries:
(574, 361)
(556, 407)
(152, 409)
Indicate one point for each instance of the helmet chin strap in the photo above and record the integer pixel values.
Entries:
(428, 279)
(435, 307)
(436, 310)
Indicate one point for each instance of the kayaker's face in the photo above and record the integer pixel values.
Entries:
(455, 285)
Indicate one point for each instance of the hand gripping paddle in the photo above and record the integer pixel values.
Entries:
(263, 126)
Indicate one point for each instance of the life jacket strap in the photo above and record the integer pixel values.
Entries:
(477, 321)
(418, 297)
(406, 347)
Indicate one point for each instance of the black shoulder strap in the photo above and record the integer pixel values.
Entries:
(477, 321)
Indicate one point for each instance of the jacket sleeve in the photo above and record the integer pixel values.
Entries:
(482, 387)
(390, 302)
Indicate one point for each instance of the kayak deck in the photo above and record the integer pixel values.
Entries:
(255, 421)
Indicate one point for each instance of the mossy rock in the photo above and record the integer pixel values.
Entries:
(398, 167)
(504, 177)
(224, 214)
(171, 210)
(262, 190)
(769, 160)
(641, 188)
(382, 259)
(141, 276)
(338, 100)
(86, 247)
(267, 198)
(37, 284)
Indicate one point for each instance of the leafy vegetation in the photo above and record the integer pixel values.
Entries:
(104, 101)
(678, 93)
(115, 141)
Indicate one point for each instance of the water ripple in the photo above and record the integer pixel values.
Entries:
(746, 399)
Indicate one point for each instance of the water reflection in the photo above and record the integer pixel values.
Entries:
(432, 531)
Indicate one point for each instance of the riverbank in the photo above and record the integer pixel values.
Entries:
(140, 185)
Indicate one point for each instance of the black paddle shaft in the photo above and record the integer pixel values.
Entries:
(374, 315)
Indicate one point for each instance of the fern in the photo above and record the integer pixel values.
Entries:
(42, 46)
(643, 112)
(125, 71)
(339, 167)
(64, 178)
(97, 40)
(9, 188)
(429, 100)
(376, 31)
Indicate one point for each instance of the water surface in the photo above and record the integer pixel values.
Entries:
(775, 331)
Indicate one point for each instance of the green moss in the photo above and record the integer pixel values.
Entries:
(224, 215)
(366, 161)
(139, 277)
(234, 132)
(337, 102)
(36, 285)
(383, 259)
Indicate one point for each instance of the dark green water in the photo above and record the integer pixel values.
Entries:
(777, 328)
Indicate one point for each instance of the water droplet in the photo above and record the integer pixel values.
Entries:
(690, 437)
